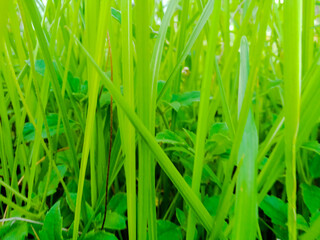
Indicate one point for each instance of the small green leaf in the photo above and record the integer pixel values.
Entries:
(116, 14)
(187, 98)
(52, 226)
(54, 180)
(218, 128)
(168, 231)
(169, 137)
(275, 209)
(115, 221)
(191, 136)
(105, 99)
(302, 223)
(39, 66)
(14, 231)
(181, 216)
(52, 119)
(100, 236)
(175, 105)
(84, 88)
(74, 83)
(311, 197)
(312, 146)
(314, 166)
(166, 96)
(74, 201)
(211, 204)
(118, 203)
(218, 144)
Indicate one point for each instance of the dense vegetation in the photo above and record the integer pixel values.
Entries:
(200, 119)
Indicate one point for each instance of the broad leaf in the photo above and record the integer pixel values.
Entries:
(168, 231)
(52, 226)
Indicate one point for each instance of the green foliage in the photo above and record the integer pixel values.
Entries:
(12, 231)
(214, 110)
(168, 230)
(52, 225)
(100, 236)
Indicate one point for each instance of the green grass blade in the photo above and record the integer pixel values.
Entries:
(292, 83)
(203, 110)
(307, 35)
(128, 133)
(146, 183)
(95, 13)
(246, 190)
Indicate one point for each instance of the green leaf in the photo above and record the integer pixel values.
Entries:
(52, 119)
(100, 236)
(167, 94)
(168, 230)
(181, 216)
(169, 137)
(105, 99)
(211, 204)
(191, 136)
(218, 144)
(14, 231)
(74, 201)
(175, 105)
(54, 180)
(311, 197)
(275, 209)
(52, 226)
(74, 83)
(314, 166)
(312, 146)
(39, 66)
(218, 128)
(187, 98)
(302, 223)
(115, 221)
(118, 203)
(116, 14)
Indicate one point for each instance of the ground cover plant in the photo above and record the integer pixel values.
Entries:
(159, 119)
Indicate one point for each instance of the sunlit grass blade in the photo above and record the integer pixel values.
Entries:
(307, 35)
(292, 83)
(95, 13)
(128, 135)
(203, 109)
(246, 190)
(146, 182)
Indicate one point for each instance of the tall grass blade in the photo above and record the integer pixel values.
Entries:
(203, 109)
(246, 214)
(292, 83)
